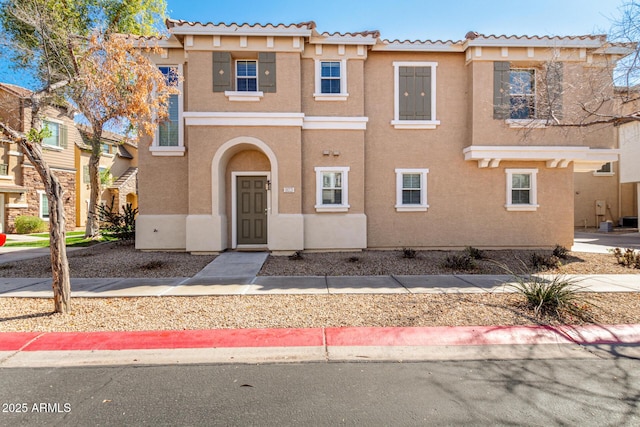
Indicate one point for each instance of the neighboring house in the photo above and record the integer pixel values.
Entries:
(629, 140)
(284, 139)
(118, 172)
(21, 189)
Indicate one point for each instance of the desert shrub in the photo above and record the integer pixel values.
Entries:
(408, 253)
(629, 258)
(555, 296)
(542, 261)
(560, 252)
(353, 259)
(297, 255)
(116, 224)
(459, 262)
(30, 224)
(474, 253)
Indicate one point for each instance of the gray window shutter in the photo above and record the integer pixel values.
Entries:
(501, 98)
(414, 93)
(222, 76)
(63, 136)
(554, 77)
(267, 72)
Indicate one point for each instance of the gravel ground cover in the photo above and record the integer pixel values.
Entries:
(282, 311)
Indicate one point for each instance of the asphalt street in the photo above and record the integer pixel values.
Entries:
(585, 392)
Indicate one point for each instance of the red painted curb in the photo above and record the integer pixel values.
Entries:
(138, 340)
(331, 337)
(14, 341)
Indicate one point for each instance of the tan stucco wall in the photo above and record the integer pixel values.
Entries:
(590, 187)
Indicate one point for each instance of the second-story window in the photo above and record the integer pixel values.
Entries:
(246, 75)
(330, 77)
(168, 131)
(415, 95)
(522, 93)
(53, 140)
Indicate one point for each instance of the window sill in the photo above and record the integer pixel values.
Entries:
(244, 96)
(108, 155)
(7, 177)
(332, 208)
(415, 124)
(176, 151)
(16, 205)
(330, 96)
(412, 208)
(523, 208)
(52, 147)
(594, 174)
(526, 123)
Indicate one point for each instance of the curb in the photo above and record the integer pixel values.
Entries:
(321, 337)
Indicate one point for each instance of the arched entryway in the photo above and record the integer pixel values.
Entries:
(243, 172)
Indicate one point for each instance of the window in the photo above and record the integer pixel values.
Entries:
(106, 148)
(54, 139)
(168, 130)
(169, 135)
(415, 95)
(246, 76)
(331, 81)
(522, 94)
(332, 189)
(44, 205)
(411, 190)
(521, 190)
(605, 170)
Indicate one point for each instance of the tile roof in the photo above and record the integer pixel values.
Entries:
(16, 90)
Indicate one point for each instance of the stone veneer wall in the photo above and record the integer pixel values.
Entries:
(33, 182)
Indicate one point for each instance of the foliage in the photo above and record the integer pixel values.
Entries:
(545, 262)
(29, 224)
(106, 177)
(353, 259)
(459, 262)
(116, 224)
(561, 252)
(408, 253)
(555, 296)
(474, 253)
(629, 258)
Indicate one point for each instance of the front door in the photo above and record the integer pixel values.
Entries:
(251, 210)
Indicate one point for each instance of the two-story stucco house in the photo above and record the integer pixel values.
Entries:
(284, 139)
(21, 189)
(118, 173)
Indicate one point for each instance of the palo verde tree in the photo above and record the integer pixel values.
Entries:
(79, 59)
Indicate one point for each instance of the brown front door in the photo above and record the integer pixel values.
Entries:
(252, 210)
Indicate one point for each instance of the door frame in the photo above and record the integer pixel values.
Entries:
(234, 203)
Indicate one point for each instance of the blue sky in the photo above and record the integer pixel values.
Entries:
(402, 19)
(413, 19)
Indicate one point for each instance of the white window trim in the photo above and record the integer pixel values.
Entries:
(533, 199)
(41, 193)
(58, 147)
(343, 95)
(612, 173)
(178, 150)
(423, 206)
(413, 124)
(344, 206)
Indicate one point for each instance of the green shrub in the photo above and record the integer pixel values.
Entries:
(30, 224)
(555, 296)
(459, 262)
(116, 224)
(474, 253)
(296, 256)
(628, 258)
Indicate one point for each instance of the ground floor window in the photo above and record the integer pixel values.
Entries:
(522, 189)
(411, 190)
(44, 205)
(332, 189)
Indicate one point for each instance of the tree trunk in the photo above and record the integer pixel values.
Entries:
(61, 282)
(92, 228)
